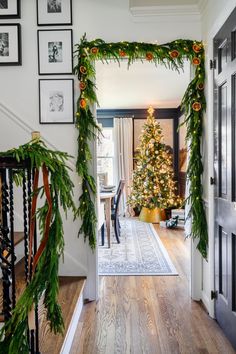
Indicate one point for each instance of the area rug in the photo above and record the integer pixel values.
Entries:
(140, 252)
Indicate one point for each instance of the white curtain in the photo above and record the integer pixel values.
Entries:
(123, 139)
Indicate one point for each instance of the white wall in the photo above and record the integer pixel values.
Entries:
(110, 20)
(214, 16)
(19, 94)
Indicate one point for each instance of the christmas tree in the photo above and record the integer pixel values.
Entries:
(153, 177)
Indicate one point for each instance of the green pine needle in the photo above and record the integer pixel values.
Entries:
(13, 336)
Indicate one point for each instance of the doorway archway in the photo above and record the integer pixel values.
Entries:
(171, 55)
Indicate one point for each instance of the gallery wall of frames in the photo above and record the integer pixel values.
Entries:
(55, 54)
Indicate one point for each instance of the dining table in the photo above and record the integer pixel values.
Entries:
(107, 198)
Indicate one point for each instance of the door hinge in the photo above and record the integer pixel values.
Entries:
(212, 64)
(214, 294)
(212, 180)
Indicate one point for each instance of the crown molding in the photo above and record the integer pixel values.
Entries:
(202, 4)
(179, 12)
(165, 10)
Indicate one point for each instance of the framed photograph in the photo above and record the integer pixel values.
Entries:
(55, 52)
(10, 44)
(54, 12)
(9, 9)
(56, 101)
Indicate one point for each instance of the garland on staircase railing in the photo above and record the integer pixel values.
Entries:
(172, 55)
(57, 190)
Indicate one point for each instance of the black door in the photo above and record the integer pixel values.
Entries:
(225, 169)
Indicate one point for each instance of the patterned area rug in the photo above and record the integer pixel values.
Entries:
(140, 252)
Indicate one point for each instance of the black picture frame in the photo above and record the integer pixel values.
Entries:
(44, 18)
(12, 31)
(48, 64)
(5, 13)
(56, 92)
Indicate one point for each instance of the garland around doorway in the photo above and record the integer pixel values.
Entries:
(172, 55)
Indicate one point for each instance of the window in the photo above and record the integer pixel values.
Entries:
(105, 160)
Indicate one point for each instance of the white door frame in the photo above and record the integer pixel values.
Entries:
(92, 285)
(197, 263)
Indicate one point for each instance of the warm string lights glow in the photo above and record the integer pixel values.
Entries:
(153, 177)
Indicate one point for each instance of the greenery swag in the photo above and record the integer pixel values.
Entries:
(57, 194)
(172, 55)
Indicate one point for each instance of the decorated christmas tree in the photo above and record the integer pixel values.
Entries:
(153, 178)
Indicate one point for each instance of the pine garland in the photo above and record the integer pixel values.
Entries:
(172, 55)
(13, 335)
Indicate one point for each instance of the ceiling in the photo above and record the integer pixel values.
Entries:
(144, 84)
(140, 86)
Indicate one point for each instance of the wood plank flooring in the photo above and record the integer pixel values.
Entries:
(70, 289)
(150, 314)
(18, 237)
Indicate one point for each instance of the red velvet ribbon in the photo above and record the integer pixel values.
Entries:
(32, 217)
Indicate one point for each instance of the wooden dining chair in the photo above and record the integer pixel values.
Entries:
(115, 210)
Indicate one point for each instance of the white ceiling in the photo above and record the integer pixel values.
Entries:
(142, 85)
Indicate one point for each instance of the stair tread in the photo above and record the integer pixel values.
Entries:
(18, 237)
(70, 289)
(20, 281)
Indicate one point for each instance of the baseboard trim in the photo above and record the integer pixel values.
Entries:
(206, 301)
(73, 325)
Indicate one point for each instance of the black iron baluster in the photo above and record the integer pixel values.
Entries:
(36, 331)
(26, 227)
(26, 230)
(29, 187)
(13, 257)
(29, 212)
(5, 249)
(32, 351)
(36, 305)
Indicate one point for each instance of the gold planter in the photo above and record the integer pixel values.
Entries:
(152, 215)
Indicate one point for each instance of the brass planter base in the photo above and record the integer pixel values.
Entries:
(152, 215)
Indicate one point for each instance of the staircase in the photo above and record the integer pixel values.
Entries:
(14, 251)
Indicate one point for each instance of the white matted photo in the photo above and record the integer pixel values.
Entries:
(10, 44)
(9, 9)
(56, 101)
(55, 52)
(54, 12)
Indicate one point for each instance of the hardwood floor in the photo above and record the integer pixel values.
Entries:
(150, 314)
(70, 289)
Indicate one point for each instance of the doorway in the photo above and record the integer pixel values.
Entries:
(117, 102)
(171, 55)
